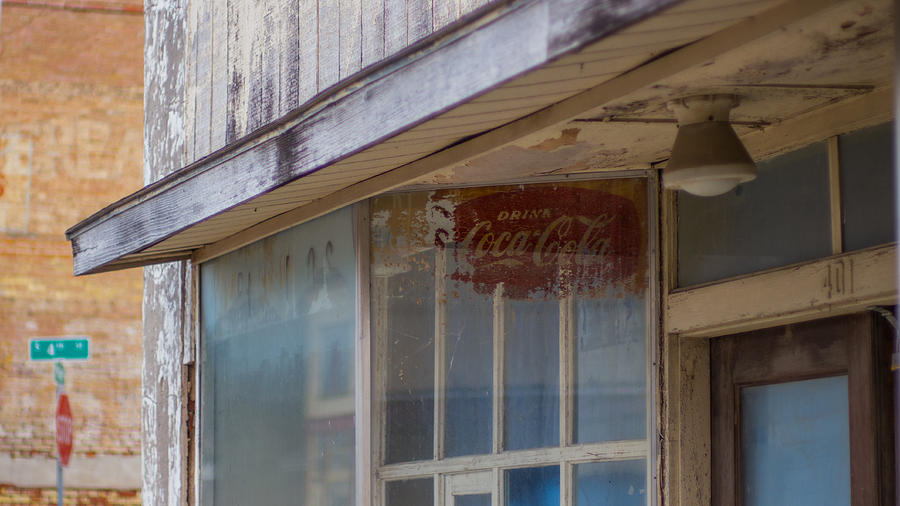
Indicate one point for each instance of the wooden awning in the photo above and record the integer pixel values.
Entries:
(475, 86)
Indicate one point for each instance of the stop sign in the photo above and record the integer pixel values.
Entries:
(64, 429)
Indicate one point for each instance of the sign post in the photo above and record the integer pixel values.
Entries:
(56, 350)
(64, 438)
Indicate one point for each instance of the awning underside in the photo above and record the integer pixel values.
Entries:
(429, 117)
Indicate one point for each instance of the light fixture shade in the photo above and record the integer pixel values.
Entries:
(708, 158)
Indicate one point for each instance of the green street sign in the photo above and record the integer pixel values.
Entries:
(59, 348)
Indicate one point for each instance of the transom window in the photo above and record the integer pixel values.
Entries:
(510, 330)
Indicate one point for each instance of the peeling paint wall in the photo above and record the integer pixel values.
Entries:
(253, 61)
(163, 425)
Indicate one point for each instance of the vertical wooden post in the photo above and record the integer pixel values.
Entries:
(163, 421)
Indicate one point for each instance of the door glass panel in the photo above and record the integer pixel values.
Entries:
(614, 483)
(418, 492)
(795, 443)
(469, 365)
(611, 368)
(532, 486)
(472, 500)
(531, 370)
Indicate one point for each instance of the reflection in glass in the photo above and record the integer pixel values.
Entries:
(410, 361)
(611, 366)
(472, 500)
(532, 486)
(779, 218)
(276, 377)
(795, 443)
(531, 370)
(458, 274)
(418, 492)
(469, 355)
(867, 187)
(620, 483)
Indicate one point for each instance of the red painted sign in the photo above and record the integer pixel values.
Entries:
(65, 429)
(541, 240)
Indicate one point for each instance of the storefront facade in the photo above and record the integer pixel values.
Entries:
(456, 277)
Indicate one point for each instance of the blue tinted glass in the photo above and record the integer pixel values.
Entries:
(409, 409)
(276, 381)
(611, 365)
(867, 186)
(795, 443)
(419, 492)
(472, 500)
(611, 483)
(532, 486)
(780, 218)
(531, 369)
(469, 356)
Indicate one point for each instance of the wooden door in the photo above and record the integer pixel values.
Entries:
(802, 414)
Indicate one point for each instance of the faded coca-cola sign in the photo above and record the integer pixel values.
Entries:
(541, 240)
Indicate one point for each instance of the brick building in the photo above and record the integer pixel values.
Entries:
(70, 141)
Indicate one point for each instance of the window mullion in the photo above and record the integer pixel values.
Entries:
(566, 491)
(363, 358)
(440, 332)
(499, 497)
(834, 193)
(499, 346)
(566, 378)
(566, 372)
(379, 289)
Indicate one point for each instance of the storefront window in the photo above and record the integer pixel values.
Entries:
(510, 333)
(277, 375)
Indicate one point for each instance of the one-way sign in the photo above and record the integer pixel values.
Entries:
(59, 348)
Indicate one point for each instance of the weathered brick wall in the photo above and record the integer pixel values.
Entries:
(70, 143)
(31, 496)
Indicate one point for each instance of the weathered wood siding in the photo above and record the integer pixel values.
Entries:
(165, 380)
(252, 61)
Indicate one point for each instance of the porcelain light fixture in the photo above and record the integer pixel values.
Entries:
(708, 158)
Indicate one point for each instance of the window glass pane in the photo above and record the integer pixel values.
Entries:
(620, 483)
(795, 443)
(532, 486)
(277, 354)
(472, 500)
(419, 492)
(410, 361)
(454, 270)
(781, 217)
(469, 355)
(531, 367)
(867, 186)
(611, 369)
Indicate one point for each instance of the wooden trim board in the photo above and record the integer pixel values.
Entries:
(830, 286)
